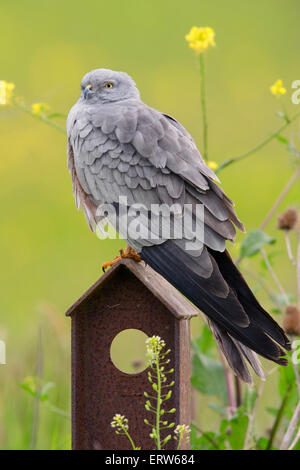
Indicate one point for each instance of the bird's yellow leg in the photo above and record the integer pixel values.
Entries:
(108, 264)
(127, 253)
(131, 253)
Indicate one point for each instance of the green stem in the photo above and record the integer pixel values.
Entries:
(40, 117)
(278, 418)
(274, 276)
(37, 403)
(130, 439)
(206, 436)
(280, 198)
(158, 400)
(179, 443)
(57, 411)
(203, 104)
(230, 161)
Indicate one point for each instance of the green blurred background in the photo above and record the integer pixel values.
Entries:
(48, 255)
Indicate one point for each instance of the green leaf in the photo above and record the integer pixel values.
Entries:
(287, 383)
(275, 310)
(239, 427)
(56, 115)
(205, 342)
(282, 139)
(218, 408)
(271, 257)
(45, 390)
(206, 441)
(249, 401)
(234, 430)
(27, 389)
(208, 376)
(262, 443)
(286, 377)
(29, 384)
(254, 242)
(297, 445)
(272, 411)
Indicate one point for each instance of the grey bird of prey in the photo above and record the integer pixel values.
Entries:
(119, 146)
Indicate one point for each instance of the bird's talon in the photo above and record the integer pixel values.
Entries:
(108, 264)
(127, 253)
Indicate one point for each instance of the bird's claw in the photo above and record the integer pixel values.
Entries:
(128, 253)
(108, 264)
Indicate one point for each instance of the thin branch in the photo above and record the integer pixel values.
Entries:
(40, 117)
(230, 161)
(57, 411)
(229, 385)
(254, 410)
(298, 271)
(238, 391)
(289, 248)
(265, 286)
(203, 104)
(296, 416)
(36, 410)
(295, 440)
(206, 435)
(291, 428)
(281, 196)
(279, 417)
(274, 276)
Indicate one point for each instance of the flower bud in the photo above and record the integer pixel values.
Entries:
(288, 219)
(291, 321)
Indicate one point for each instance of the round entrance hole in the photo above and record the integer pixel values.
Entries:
(128, 351)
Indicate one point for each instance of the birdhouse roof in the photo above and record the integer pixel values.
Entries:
(178, 306)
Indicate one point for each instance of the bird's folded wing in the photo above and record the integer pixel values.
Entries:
(148, 157)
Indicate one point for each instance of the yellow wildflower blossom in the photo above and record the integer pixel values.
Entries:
(278, 89)
(200, 39)
(39, 108)
(212, 165)
(6, 92)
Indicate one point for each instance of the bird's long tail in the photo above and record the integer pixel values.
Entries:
(238, 322)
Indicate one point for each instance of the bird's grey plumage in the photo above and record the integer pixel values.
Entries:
(142, 154)
(119, 146)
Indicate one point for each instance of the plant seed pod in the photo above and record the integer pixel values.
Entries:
(291, 321)
(288, 219)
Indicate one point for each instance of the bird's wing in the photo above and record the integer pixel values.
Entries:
(138, 152)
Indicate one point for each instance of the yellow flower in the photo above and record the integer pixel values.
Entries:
(39, 108)
(212, 165)
(200, 39)
(277, 89)
(6, 92)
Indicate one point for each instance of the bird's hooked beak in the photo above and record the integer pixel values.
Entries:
(87, 92)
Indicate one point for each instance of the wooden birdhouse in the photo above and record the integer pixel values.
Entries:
(129, 295)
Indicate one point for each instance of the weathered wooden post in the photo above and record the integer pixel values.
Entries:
(128, 295)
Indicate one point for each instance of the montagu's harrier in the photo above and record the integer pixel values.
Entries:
(118, 147)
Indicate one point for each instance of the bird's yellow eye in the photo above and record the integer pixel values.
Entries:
(108, 85)
(89, 87)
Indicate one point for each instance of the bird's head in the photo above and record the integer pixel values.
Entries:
(103, 85)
